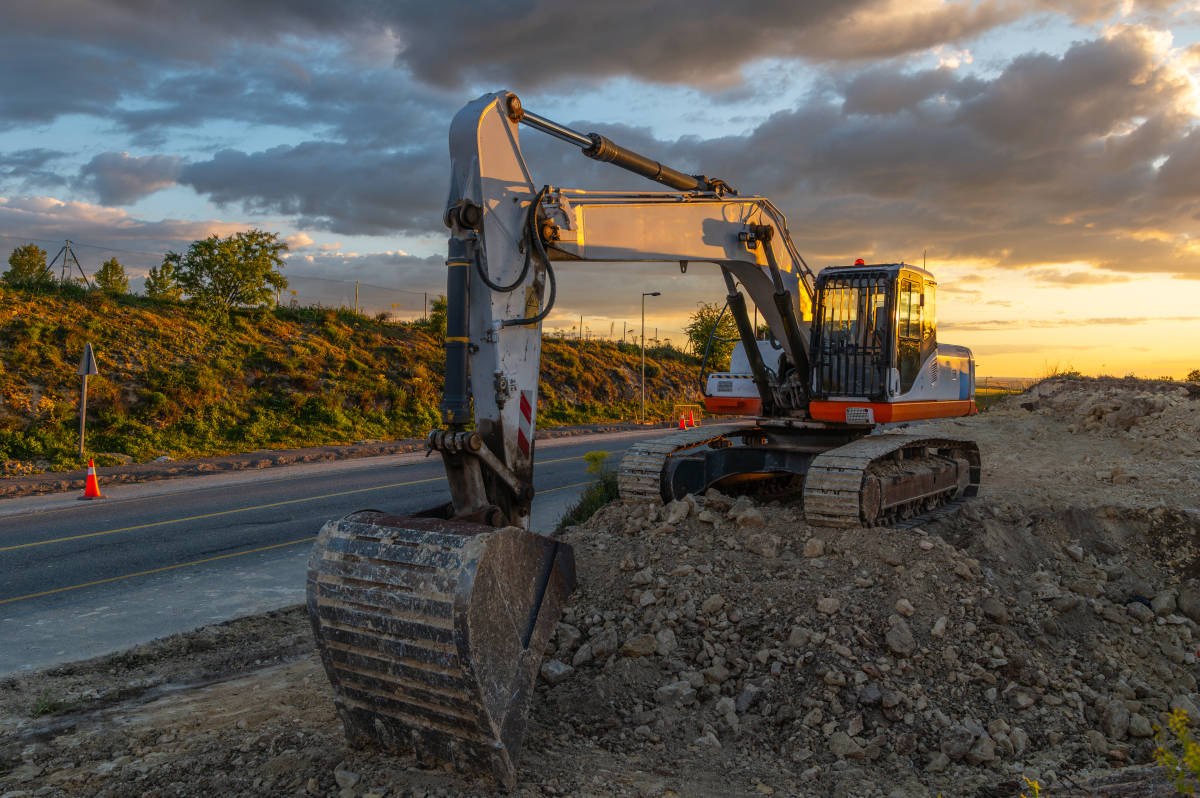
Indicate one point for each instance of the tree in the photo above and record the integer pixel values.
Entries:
(162, 282)
(699, 326)
(241, 269)
(1193, 376)
(27, 268)
(111, 278)
(437, 317)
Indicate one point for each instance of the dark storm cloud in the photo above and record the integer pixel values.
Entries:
(696, 42)
(330, 186)
(118, 178)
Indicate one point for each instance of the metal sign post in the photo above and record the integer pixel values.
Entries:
(87, 368)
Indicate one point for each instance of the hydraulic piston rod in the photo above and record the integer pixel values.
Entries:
(600, 148)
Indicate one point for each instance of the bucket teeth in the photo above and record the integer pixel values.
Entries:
(432, 632)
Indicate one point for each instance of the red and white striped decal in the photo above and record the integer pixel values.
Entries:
(525, 430)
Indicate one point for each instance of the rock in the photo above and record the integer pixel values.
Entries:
(751, 516)
(583, 655)
(346, 779)
(994, 610)
(937, 762)
(828, 605)
(750, 694)
(1114, 719)
(1096, 741)
(713, 604)
(870, 695)
(900, 637)
(640, 646)
(1187, 705)
(643, 577)
(982, 752)
(814, 547)
(1140, 726)
(553, 671)
(905, 607)
(677, 511)
(1189, 601)
(1075, 553)
(674, 693)
(1163, 604)
(956, 742)
(604, 644)
(764, 545)
(1020, 739)
(716, 674)
(568, 636)
(665, 639)
(709, 738)
(799, 637)
(939, 627)
(843, 746)
(1141, 612)
(709, 517)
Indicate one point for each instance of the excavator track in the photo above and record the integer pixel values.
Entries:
(640, 477)
(888, 478)
(432, 632)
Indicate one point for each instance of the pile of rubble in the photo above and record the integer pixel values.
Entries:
(997, 644)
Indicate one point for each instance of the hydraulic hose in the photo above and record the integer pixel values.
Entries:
(505, 289)
(535, 239)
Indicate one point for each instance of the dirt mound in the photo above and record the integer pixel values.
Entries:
(722, 647)
(959, 656)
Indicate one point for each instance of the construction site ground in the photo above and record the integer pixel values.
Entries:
(720, 646)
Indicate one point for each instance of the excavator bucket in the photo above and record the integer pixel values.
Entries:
(432, 632)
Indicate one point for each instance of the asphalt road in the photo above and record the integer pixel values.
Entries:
(79, 579)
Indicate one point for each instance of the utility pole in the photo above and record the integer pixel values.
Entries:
(68, 256)
(356, 297)
(581, 329)
(644, 295)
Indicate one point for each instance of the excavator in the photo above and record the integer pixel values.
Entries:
(431, 627)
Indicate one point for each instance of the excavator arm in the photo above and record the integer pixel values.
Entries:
(507, 236)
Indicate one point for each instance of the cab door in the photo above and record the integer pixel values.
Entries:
(909, 331)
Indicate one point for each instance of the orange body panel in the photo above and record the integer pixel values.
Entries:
(744, 406)
(894, 411)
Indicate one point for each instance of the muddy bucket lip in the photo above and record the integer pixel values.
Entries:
(424, 524)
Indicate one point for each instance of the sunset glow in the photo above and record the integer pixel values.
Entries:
(1042, 157)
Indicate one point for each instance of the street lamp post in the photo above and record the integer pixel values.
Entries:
(644, 295)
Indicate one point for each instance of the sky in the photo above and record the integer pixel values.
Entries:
(1041, 157)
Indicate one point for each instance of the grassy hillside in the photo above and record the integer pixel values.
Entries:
(174, 383)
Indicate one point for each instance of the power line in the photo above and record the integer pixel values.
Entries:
(82, 244)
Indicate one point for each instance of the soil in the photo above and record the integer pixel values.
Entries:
(718, 646)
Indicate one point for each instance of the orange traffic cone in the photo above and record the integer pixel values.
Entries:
(91, 490)
(692, 420)
(682, 423)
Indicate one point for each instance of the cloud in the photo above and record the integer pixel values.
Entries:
(136, 241)
(695, 42)
(27, 169)
(1059, 277)
(118, 178)
(1012, 324)
(330, 185)
(298, 241)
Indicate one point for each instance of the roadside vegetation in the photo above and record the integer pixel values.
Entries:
(229, 372)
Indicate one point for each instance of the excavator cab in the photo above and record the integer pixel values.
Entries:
(874, 354)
